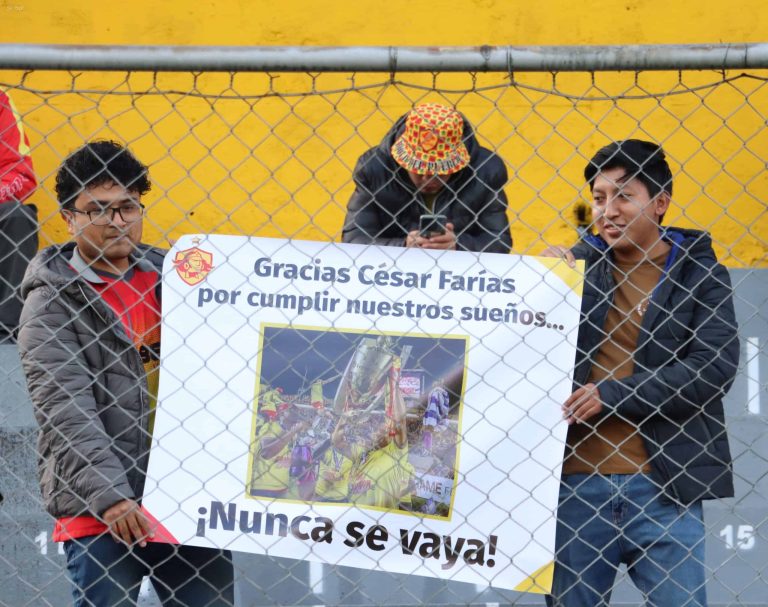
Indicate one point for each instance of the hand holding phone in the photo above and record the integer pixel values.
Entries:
(432, 225)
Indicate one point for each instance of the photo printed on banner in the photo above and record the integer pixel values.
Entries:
(358, 418)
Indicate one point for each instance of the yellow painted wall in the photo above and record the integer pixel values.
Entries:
(228, 155)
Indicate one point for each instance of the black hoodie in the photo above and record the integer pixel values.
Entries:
(386, 205)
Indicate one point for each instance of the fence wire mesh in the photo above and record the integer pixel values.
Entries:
(272, 155)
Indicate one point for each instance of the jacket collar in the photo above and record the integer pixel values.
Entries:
(674, 237)
(87, 272)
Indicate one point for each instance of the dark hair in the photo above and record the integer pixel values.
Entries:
(97, 163)
(642, 160)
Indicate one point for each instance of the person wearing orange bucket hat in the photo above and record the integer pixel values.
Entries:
(430, 163)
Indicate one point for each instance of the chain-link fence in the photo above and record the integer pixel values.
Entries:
(265, 144)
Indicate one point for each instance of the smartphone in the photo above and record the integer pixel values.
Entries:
(432, 225)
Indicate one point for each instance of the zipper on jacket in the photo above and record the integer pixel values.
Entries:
(669, 486)
(138, 369)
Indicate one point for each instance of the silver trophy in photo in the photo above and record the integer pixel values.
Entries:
(361, 385)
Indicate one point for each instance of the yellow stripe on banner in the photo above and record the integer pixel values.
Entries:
(572, 277)
(23, 147)
(540, 582)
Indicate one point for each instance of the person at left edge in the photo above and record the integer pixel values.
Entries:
(89, 344)
(18, 218)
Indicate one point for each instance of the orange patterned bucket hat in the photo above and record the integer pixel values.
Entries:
(431, 143)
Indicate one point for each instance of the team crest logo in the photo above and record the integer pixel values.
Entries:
(427, 140)
(193, 264)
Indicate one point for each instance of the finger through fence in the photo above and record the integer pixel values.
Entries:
(396, 424)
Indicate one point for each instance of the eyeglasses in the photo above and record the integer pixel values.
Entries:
(129, 213)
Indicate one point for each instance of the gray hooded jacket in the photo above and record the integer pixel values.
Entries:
(87, 385)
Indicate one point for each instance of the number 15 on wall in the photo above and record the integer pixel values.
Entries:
(738, 537)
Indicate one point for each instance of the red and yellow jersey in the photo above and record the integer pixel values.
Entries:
(133, 298)
(270, 474)
(333, 476)
(382, 478)
(17, 177)
(270, 401)
(316, 396)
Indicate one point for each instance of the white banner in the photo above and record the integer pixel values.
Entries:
(251, 324)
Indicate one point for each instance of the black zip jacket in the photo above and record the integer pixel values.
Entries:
(385, 205)
(685, 362)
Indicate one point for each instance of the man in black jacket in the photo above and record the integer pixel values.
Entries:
(657, 351)
(430, 163)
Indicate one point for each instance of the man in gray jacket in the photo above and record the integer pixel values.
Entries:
(89, 342)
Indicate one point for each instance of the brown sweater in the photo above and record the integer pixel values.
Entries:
(612, 444)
